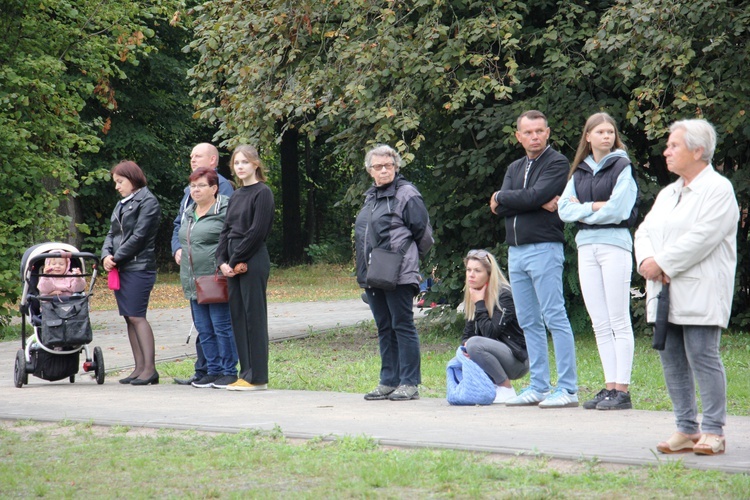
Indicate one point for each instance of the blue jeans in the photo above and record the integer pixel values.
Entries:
(536, 273)
(397, 335)
(214, 326)
(691, 353)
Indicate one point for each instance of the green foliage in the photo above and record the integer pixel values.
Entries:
(443, 82)
(55, 57)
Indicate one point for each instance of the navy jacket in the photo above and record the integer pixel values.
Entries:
(525, 220)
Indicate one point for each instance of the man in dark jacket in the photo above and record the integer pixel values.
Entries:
(202, 155)
(534, 233)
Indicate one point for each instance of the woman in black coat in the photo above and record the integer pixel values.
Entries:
(129, 248)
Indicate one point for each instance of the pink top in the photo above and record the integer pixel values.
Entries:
(64, 284)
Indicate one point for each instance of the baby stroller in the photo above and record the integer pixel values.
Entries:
(61, 325)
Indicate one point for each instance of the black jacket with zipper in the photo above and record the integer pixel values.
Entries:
(521, 203)
(131, 239)
(502, 326)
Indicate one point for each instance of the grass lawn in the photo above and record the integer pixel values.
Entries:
(293, 284)
(67, 460)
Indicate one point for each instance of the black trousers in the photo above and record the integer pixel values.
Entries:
(247, 306)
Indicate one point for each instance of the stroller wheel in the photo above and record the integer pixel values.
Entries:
(99, 365)
(72, 379)
(20, 377)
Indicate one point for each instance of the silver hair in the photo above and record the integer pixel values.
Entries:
(698, 134)
(383, 150)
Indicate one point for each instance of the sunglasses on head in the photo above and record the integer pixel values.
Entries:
(478, 254)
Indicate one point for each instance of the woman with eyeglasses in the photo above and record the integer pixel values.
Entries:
(492, 336)
(393, 218)
(201, 225)
(600, 198)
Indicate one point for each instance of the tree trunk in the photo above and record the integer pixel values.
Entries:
(292, 242)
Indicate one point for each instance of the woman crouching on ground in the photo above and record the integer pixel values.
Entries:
(492, 336)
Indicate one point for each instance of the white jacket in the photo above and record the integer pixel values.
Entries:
(691, 232)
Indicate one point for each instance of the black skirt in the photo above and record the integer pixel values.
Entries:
(134, 293)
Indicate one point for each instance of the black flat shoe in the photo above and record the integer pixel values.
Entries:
(153, 379)
(127, 380)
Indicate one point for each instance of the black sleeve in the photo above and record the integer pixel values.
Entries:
(108, 245)
(468, 331)
(550, 183)
(417, 220)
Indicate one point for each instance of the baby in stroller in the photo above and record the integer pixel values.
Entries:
(55, 302)
(64, 285)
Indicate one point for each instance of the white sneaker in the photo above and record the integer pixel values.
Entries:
(503, 394)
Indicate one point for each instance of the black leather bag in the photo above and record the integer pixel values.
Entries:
(66, 323)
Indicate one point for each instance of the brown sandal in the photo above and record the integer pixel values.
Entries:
(710, 444)
(678, 443)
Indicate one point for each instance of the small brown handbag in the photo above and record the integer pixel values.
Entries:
(212, 289)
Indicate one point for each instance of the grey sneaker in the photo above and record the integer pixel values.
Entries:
(560, 398)
(205, 381)
(379, 393)
(600, 396)
(404, 393)
(527, 397)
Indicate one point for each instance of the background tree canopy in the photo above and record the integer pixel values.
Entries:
(314, 83)
(443, 81)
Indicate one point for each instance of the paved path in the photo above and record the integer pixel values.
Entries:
(625, 437)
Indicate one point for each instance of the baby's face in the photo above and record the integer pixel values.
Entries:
(56, 266)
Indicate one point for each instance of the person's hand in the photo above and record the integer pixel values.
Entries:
(109, 263)
(551, 205)
(178, 256)
(477, 294)
(227, 270)
(493, 203)
(650, 270)
(598, 205)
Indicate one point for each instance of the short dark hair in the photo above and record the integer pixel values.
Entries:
(209, 173)
(132, 172)
(532, 114)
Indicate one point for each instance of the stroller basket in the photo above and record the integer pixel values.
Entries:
(66, 323)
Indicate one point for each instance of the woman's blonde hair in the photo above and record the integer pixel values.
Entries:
(497, 279)
(252, 155)
(584, 147)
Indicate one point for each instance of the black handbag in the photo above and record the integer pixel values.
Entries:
(662, 318)
(66, 323)
(383, 269)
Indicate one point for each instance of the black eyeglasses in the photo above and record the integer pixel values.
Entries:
(478, 254)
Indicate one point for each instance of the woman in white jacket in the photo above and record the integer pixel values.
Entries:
(688, 239)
